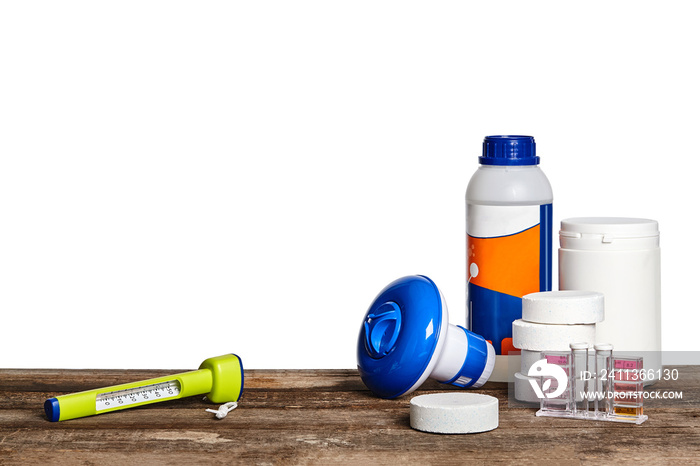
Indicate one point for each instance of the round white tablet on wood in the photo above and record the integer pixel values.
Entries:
(454, 413)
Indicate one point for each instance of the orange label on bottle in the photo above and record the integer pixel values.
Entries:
(507, 264)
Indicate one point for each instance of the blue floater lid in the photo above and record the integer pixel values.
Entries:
(401, 336)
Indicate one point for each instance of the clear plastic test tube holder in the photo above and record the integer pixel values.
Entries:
(615, 384)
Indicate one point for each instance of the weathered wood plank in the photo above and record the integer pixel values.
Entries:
(66, 380)
(303, 400)
(386, 433)
(329, 417)
(358, 418)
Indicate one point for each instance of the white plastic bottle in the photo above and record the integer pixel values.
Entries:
(509, 240)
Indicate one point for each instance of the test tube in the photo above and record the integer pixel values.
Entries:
(578, 395)
(603, 376)
(561, 404)
(628, 387)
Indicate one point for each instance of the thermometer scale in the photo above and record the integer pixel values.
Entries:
(220, 378)
(132, 396)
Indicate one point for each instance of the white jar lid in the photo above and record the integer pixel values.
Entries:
(608, 233)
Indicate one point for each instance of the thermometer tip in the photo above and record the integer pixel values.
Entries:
(52, 409)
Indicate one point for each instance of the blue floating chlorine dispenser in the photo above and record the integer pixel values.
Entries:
(406, 337)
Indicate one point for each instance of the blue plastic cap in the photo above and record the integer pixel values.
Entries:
(240, 361)
(509, 150)
(399, 335)
(52, 409)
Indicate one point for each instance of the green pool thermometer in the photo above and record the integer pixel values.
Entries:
(220, 378)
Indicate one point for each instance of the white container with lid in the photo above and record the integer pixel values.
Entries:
(619, 257)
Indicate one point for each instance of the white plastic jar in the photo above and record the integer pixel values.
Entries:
(619, 257)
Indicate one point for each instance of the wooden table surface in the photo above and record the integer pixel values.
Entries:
(323, 417)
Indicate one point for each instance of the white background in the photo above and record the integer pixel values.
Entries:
(180, 180)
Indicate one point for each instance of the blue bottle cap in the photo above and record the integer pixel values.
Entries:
(509, 150)
(401, 337)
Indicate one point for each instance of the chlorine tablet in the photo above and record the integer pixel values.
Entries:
(550, 337)
(523, 388)
(454, 413)
(564, 307)
(527, 359)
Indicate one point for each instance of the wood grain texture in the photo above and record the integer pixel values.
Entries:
(323, 417)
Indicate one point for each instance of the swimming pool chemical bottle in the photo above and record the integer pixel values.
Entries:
(509, 239)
